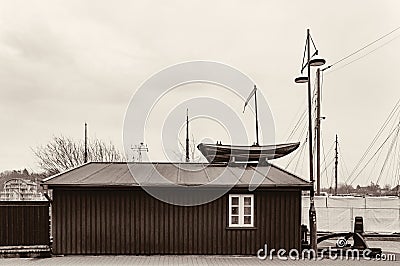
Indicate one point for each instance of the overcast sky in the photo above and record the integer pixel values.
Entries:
(66, 62)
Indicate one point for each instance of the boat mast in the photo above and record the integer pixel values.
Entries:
(336, 164)
(85, 157)
(255, 104)
(187, 136)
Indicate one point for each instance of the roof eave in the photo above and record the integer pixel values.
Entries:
(63, 172)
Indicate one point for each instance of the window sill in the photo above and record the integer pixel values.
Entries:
(241, 228)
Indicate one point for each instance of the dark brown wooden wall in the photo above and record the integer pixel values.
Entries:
(132, 222)
(24, 223)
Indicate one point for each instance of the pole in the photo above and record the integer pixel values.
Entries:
(318, 137)
(255, 105)
(187, 136)
(86, 153)
(336, 163)
(312, 214)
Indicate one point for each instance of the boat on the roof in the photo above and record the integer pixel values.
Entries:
(218, 153)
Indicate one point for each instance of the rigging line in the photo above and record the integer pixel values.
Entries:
(315, 47)
(300, 137)
(296, 153)
(302, 162)
(374, 166)
(300, 156)
(380, 147)
(332, 177)
(358, 58)
(388, 154)
(392, 112)
(297, 125)
(390, 168)
(397, 168)
(306, 138)
(329, 151)
(323, 153)
(304, 130)
(394, 159)
(329, 164)
(299, 122)
(322, 84)
(342, 157)
(303, 108)
(392, 129)
(366, 46)
(396, 177)
(304, 56)
(341, 169)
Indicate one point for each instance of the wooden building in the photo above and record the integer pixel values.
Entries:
(99, 208)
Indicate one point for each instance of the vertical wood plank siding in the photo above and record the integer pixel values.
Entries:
(24, 223)
(129, 221)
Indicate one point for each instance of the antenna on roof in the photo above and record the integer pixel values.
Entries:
(86, 153)
(139, 148)
(187, 136)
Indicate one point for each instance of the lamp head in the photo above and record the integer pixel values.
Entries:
(317, 60)
(301, 79)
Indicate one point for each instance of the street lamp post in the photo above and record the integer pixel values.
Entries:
(302, 79)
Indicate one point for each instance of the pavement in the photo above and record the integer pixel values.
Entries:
(388, 247)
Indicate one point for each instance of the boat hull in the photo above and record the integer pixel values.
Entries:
(217, 153)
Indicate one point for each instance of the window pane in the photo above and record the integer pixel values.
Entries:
(235, 219)
(247, 220)
(247, 210)
(247, 200)
(235, 201)
(235, 210)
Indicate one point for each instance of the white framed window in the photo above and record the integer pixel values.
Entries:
(241, 210)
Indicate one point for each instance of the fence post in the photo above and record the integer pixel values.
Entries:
(351, 218)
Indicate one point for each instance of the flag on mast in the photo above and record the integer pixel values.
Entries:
(249, 98)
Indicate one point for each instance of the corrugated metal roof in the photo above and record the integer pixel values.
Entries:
(184, 174)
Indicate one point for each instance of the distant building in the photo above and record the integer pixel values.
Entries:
(21, 189)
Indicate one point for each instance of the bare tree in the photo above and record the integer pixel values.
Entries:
(193, 151)
(63, 153)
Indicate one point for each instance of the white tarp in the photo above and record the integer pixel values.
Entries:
(336, 213)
